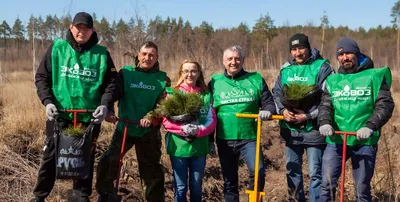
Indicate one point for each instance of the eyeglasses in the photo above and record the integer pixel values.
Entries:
(186, 72)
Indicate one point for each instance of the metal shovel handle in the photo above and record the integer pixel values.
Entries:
(344, 151)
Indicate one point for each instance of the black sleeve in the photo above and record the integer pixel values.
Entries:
(277, 94)
(43, 78)
(267, 101)
(325, 111)
(383, 108)
(109, 87)
(324, 72)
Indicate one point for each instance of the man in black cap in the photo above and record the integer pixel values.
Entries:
(75, 73)
(299, 130)
(356, 99)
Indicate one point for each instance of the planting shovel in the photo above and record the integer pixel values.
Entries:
(72, 194)
(116, 197)
(255, 195)
(344, 151)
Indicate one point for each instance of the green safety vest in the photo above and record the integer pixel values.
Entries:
(353, 99)
(305, 74)
(241, 95)
(77, 77)
(141, 91)
(177, 146)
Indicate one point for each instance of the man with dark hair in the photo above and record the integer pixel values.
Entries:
(142, 87)
(75, 73)
(299, 130)
(239, 91)
(358, 99)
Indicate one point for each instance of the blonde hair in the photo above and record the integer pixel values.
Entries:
(200, 80)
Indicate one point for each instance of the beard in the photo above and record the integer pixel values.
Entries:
(349, 66)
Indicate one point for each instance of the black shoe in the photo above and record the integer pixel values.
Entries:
(36, 200)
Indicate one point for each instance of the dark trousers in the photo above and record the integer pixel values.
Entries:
(229, 153)
(47, 170)
(148, 152)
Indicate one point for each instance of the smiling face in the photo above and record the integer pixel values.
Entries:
(300, 54)
(147, 57)
(81, 33)
(348, 61)
(232, 62)
(190, 73)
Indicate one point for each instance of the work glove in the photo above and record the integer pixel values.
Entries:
(364, 133)
(100, 114)
(264, 115)
(213, 151)
(326, 130)
(190, 130)
(51, 111)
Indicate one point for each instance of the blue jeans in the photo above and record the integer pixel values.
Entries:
(181, 167)
(229, 153)
(294, 173)
(363, 164)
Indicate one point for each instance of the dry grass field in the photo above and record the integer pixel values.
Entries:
(22, 121)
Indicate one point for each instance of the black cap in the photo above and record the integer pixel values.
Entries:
(297, 40)
(83, 18)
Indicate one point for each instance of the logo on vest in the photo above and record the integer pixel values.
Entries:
(237, 95)
(142, 86)
(359, 93)
(77, 72)
(297, 78)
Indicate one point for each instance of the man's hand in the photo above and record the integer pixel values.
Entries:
(111, 118)
(190, 130)
(326, 130)
(51, 111)
(100, 114)
(289, 116)
(364, 133)
(264, 115)
(145, 123)
(300, 116)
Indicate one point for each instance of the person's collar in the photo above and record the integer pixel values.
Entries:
(188, 88)
(237, 75)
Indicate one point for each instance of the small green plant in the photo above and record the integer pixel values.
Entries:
(180, 103)
(296, 91)
(74, 131)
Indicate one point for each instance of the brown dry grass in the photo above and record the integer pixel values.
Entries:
(21, 140)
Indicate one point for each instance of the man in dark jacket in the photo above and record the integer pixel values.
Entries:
(142, 87)
(357, 99)
(239, 91)
(299, 128)
(75, 73)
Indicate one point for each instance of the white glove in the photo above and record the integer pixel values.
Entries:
(264, 115)
(326, 130)
(364, 133)
(100, 114)
(190, 130)
(51, 111)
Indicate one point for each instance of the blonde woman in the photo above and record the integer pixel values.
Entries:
(188, 158)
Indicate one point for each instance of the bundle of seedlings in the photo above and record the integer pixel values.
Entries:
(180, 107)
(300, 96)
(73, 131)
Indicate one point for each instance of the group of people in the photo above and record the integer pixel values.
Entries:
(78, 73)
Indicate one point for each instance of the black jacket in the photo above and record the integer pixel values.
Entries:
(294, 137)
(383, 108)
(266, 101)
(43, 77)
(154, 69)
